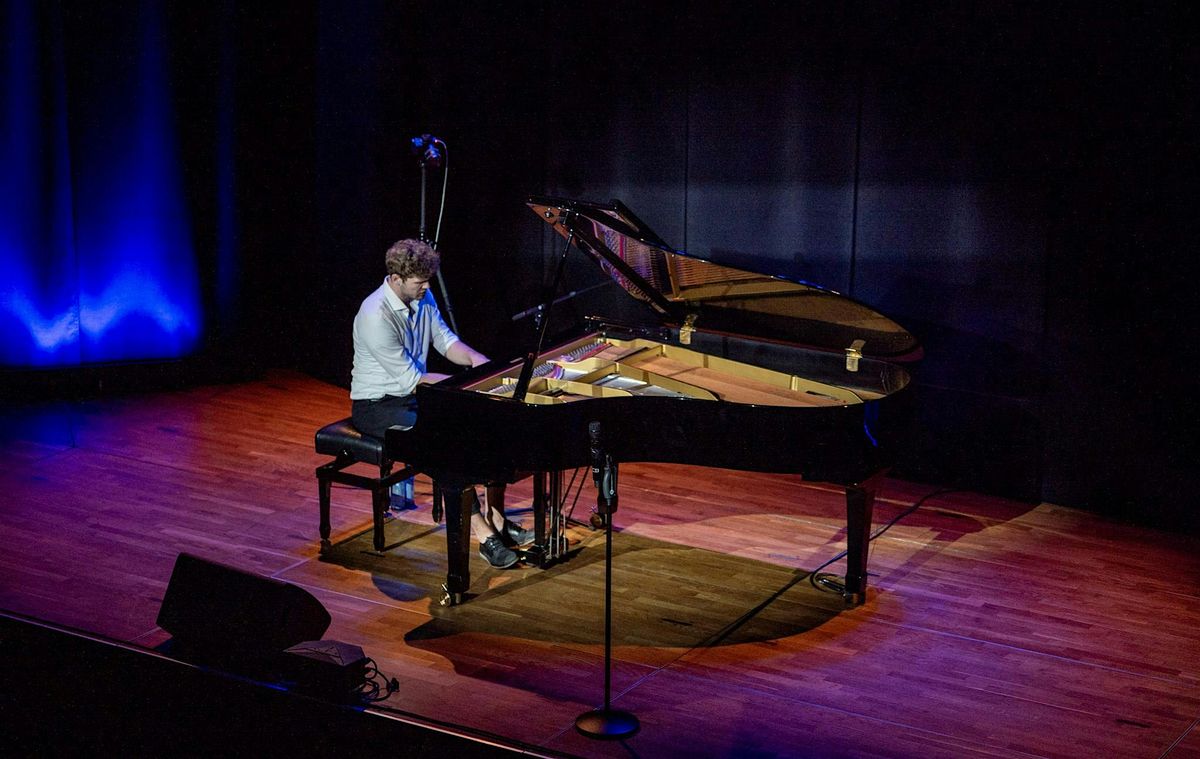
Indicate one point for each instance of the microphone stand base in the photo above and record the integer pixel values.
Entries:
(607, 724)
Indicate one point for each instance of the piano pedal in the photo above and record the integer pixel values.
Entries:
(534, 555)
(544, 556)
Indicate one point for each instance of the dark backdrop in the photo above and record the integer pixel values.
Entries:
(1010, 181)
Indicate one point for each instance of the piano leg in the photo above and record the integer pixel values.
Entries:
(495, 497)
(457, 501)
(860, 503)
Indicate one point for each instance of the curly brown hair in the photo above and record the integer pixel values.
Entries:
(412, 258)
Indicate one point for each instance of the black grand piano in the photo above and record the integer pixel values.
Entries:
(734, 369)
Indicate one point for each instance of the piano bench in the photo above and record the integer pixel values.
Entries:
(348, 446)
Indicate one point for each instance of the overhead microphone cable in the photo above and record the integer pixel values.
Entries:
(437, 230)
(444, 161)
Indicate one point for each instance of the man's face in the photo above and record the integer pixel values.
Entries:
(410, 288)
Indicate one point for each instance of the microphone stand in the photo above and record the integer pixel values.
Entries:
(606, 723)
(424, 238)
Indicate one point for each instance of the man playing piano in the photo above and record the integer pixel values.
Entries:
(393, 330)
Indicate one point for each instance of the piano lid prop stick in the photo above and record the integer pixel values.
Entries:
(541, 320)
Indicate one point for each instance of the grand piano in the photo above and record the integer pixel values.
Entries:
(731, 369)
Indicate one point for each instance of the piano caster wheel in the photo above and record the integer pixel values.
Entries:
(325, 546)
(598, 521)
(450, 599)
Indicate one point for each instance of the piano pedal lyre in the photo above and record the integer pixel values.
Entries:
(550, 522)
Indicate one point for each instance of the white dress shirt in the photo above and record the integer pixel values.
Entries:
(391, 343)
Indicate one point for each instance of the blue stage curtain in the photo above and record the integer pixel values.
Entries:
(97, 259)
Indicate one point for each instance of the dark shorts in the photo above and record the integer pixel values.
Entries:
(373, 417)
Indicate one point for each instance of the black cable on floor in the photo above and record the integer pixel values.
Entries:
(376, 686)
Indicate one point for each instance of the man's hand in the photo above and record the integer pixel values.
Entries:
(464, 355)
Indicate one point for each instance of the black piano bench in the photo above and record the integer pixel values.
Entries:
(348, 446)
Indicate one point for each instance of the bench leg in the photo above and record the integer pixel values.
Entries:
(379, 507)
(324, 486)
(381, 504)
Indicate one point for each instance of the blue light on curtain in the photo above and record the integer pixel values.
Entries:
(39, 294)
(95, 239)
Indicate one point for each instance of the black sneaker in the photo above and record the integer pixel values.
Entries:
(496, 553)
(516, 535)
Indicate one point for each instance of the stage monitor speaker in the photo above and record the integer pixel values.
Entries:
(217, 612)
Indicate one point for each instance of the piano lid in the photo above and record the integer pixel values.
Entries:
(694, 293)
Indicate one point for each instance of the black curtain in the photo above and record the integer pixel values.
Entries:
(1004, 180)
(1010, 181)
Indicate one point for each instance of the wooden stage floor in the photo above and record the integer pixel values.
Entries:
(993, 628)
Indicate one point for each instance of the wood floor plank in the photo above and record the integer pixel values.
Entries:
(1188, 746)
(996, 696)
(530, 691)
(992, 628)
(685, 716)
(1005, 587)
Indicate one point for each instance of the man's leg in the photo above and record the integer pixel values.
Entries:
(374, 418)
(510, 533)
(491, 543)
(402, 496)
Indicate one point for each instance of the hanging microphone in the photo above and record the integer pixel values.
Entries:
(597, 453)
(426, 149)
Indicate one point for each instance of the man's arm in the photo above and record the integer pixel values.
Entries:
(464, 355)
(459, 353)
(450, 345)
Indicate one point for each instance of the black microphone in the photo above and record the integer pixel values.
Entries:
(597, 453)
(425, 148)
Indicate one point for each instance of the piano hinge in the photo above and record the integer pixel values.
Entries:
(853, 354)
(685, 332)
